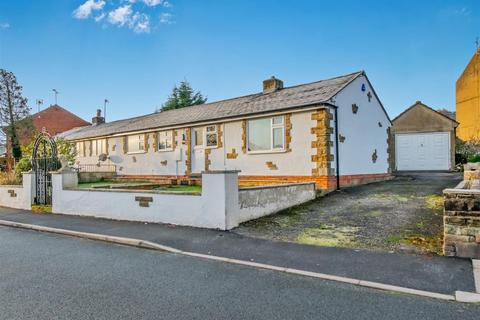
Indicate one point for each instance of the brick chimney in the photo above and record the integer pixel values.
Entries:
(98, 119)
(271, 85)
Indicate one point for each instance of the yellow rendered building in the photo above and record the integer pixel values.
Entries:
(468, 100)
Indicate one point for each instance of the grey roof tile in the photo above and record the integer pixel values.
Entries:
(289, 97)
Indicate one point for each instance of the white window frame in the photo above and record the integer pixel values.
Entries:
(206, 133)
(95, 146)
(200, 146)
(159, 139)
(272, 127)
(141, 138)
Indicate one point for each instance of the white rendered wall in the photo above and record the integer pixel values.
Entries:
(24, 194)
(206, 210)
(361, 130)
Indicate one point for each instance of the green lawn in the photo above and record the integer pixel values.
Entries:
(106, 183)
(180, 188)
(169, 188)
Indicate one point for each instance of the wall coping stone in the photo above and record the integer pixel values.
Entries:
(133, 191)
(220, 171)
(11, 186)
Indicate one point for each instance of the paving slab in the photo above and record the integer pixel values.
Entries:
(421, 272)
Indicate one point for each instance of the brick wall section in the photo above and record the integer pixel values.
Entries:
(462, 223)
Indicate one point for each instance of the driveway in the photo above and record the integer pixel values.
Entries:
(401, 215)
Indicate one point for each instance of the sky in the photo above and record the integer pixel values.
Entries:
(132, 52)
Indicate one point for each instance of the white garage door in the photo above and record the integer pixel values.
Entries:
(423, 151)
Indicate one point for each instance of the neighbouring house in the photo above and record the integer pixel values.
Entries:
(468, 100)
(54, 120)
(329, 132)
(422, 138)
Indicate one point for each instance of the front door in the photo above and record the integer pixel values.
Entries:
(198, 151)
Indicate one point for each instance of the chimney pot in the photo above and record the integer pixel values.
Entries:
(98, 119)
(271, 85)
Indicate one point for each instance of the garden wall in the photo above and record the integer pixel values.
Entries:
(462, 217)
(19, 196)
(219, 206)
(256, 202)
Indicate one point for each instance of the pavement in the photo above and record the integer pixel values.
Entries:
(47, 276)
(422, 272)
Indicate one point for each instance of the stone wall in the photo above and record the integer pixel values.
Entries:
(95, 176)
(462, 218)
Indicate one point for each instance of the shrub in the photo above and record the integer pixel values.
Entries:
(474, 158)
(9, 178)
(23, 165)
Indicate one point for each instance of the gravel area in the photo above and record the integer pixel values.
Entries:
(401, 215)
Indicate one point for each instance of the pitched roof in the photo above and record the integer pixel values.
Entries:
(56, 119)
(421, 104)
(286, 98)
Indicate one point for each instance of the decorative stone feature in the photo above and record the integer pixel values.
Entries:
(341, 138)
(114, 147)
(207, 161)
(12, 193)
(374, 156)
(244, 136)
(188, 152)
(233, 154)
(125, 144)
(354, 108)
(134, 159)
(145, 141)
(288, 130)
(219, 136)
(163, 162)
(271, 165)
(144, 201)
(369, 96)
(322, 144)
(380, 124)
(462, 222)
(155, 142)
(174, 138)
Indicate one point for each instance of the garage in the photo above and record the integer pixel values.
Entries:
(422, 139)
(423, 151)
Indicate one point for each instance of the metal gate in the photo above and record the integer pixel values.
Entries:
(44, 160)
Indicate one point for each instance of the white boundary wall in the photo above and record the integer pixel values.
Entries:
(220, 205)
(20, 196)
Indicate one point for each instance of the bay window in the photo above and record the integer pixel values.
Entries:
(266, 134)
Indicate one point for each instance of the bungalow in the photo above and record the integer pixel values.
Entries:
(333, 132)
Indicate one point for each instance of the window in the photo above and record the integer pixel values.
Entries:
(211, 136)
(165, 140)
(80, 149)
(266, 134)
(198, 137)
(136, 143)
(99, 147)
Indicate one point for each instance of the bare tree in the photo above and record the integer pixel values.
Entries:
(13, 108)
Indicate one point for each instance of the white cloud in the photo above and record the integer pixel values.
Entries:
(4, 25)
(132, 14)
(166, 18)
(85, 10)
(140, 23)
(121, 15)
